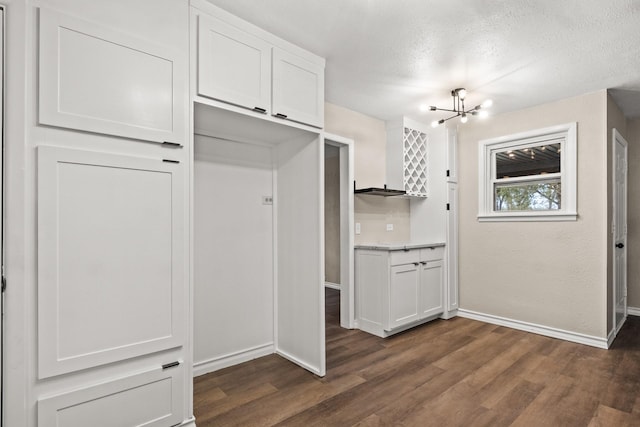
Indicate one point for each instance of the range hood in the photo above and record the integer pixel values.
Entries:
(376, 191)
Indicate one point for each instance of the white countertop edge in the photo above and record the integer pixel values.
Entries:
(398, 246)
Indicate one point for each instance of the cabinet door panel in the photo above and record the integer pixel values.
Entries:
(100, 80)
(152, 398)
(233, 66)
(431, 278)
(110, 258)
(403, 295)
(298, 89)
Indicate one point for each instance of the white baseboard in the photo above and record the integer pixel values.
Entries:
(633, 311)
(216, 363)
(305, 365)
(536, 329)
(188, 422)
(332, 285)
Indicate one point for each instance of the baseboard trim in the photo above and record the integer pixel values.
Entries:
(220, 362)
(536, 329)
(188, 422)
(634, 311)
(305, 365)
(332, 285)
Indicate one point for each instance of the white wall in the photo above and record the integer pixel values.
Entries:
(233, 250)
(547, 273)
(332, 214)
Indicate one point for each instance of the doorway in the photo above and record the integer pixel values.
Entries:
(339, 223)
(620, 168)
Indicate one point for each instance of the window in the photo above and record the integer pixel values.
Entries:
(529, 176)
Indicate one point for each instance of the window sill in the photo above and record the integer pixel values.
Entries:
(528, 216)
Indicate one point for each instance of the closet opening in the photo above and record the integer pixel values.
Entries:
(258, 241)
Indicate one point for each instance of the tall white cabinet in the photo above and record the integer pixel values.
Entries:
(100, 285)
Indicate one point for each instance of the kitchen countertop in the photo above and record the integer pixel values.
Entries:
(397, 246)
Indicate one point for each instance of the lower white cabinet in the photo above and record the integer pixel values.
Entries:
(398, 288)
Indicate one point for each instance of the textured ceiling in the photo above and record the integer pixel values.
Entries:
(385, 58)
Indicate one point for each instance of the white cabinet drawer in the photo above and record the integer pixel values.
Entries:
(431, 254)
(405, 257)
(152, 398)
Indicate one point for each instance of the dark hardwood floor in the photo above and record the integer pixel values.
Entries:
(457, 372)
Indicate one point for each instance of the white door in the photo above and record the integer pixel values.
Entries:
(404, 294)
(619, 230)
(431, 273)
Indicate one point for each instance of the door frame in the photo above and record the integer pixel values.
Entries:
(618, 138)
(347, 284)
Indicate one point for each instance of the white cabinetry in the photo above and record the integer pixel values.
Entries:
(298, 89)
(407, 157)
(233, 66)
(242, 65)
(97, 79)
(398, 289)
(109, 285)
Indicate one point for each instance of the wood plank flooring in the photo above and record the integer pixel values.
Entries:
(457, 372)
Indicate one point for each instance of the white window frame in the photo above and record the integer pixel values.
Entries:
(568, 173)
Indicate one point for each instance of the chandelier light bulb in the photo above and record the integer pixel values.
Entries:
(434, 124)
(464, 118)
(486, 104)
(462, 93)
(424, 108)
(483, 114)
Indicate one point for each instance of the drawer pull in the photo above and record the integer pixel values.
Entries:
(172, 144)
(281, 116)
(259, 110)
(170, 365)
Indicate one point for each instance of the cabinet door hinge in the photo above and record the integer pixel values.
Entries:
(448, 173)
(448, 206)
(4, 284)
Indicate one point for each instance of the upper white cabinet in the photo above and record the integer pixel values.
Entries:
(298, 89)
(242, 65)
(233, 66)
(407, 157)
(97, 79)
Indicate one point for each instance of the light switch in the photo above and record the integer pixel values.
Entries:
(389, 227)
(357, 228)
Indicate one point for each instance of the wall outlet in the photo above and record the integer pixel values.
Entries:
(267, 200)
(389, 227)
(357, 228)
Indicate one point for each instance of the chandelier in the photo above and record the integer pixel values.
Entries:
(459, 109)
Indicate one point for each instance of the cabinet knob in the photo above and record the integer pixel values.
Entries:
(423, 262)
(416, 264)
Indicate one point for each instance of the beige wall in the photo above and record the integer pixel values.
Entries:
(332, 214)
(633, 220)
(372, 212)
(547, 273)
(615, 120)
